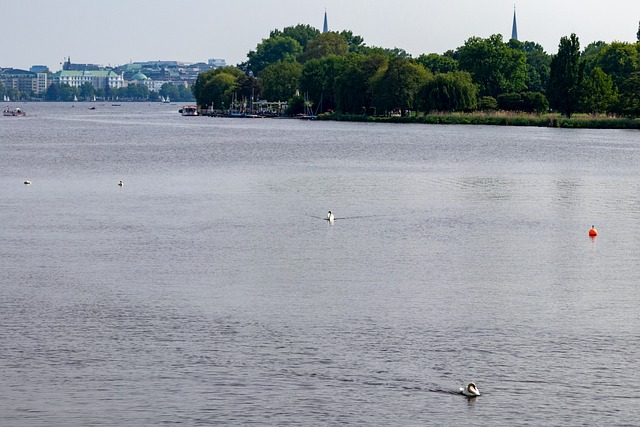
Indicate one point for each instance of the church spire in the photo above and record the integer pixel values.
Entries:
(514, 28)
(325, 28)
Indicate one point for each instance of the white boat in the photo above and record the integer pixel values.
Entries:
(189, 110)
(75, 98)
(166, 100)
(13, 112)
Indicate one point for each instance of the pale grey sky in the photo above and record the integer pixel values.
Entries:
(119, 31)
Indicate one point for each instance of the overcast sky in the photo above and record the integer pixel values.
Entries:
(119, 31)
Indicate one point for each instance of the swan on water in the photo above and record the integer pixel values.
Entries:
(470, 390)
(330, 216)
(120, 183)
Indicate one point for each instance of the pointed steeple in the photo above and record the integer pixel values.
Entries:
(514, 28)
(325, 28)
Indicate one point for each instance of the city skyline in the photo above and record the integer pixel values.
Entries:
(119, 32)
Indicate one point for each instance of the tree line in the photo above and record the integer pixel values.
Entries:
(337, 71)
(133, 92)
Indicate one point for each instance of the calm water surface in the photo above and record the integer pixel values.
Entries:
(208, 290)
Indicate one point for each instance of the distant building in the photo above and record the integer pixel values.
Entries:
(514, 28)
(39, 69)
(68, 66)
(325, 27)
(24, 81)
(217, 63)
(99, 79)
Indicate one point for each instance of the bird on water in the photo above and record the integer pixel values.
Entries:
(470, 390)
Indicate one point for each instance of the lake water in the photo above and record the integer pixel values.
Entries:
(208, 290)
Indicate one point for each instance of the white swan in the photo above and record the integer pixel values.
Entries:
(27, 183)
(120, 183)
(470, 390)
(330, 216)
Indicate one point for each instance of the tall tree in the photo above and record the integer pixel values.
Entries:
(326, 44)
(353, 87)
(438, 63)
(397, 87)
(630, 95)
(495, 67)
(280, 80)
(566, 77)
(318, 79)
(619, 60)
(599, 92)
(272, 50)
(300, 33)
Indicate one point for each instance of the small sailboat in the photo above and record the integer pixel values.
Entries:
(75, 98)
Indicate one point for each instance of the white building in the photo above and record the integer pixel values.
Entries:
(99, 79)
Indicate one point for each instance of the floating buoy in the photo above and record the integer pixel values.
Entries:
(593, 232)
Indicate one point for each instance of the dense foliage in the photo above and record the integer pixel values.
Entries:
(337, 71)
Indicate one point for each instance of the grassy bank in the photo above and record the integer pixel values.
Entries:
(501, 118)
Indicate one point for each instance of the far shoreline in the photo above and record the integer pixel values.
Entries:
(497, 119)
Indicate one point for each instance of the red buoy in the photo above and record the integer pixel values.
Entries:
(593, 232)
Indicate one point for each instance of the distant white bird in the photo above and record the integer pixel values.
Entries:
(470, 390)
(27, 183)
(330, 216)
(121, 183)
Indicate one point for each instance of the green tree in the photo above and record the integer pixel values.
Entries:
(538, 64)
(453, 91)
(219, 91)
(618, 60)
(318, 79)
(185, 94)
(169, 91)
(599, 92)
(629, 95)
(52, 93)
(590, 55)
(511, 101)
(87, 91)
(272, 50)
(203, 95)
(295, 105)
(534, 102)
(280, 80)
(248, 88)
(353, 90)
(326, 44)
(355, 43)
(495, 67)
(300, 33)
(397, 87)
(487, 103)
(438, 63)
(566, 77)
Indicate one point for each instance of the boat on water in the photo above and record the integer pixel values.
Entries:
(13, 112)
(189, 110)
